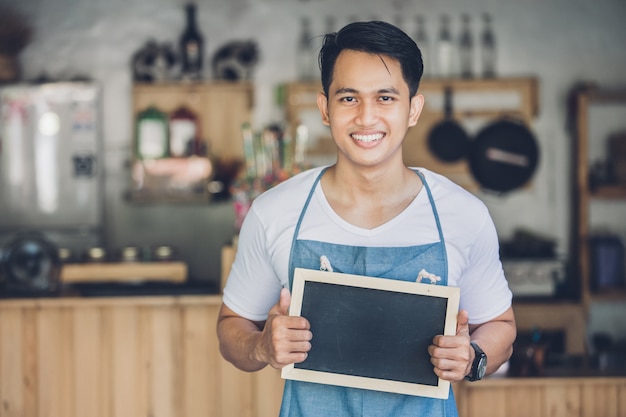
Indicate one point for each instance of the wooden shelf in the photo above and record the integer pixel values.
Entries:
(584, 98)
(221, 107)
(609, 192)
(124, 272)
(618, 295)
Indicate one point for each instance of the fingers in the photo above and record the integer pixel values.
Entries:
(287, 339)
(284, 301)
(462, 323)
(450, 355)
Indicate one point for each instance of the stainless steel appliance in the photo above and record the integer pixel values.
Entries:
(534, 277)
(50, 163)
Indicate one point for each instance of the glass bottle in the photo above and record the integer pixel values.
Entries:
(184, 133)
(305, 53)
(151, 134)
(488, 48)
(466, 48)
(422, 41)
(191, 46)
(445, 49)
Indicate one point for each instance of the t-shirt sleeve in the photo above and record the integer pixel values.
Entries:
(252, 287)
(485, 292)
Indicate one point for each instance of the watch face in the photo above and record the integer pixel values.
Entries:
(482, 367)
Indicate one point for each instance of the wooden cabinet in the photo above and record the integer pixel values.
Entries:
(221, 108)
(588, 104)
(473, 101)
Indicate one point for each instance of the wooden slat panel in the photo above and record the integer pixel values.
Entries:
(562, 401)
(524, 402)
(198, 389)
(68, 363)
(600, 400)
(125, 361)
(144, 362)
(161, 374)
(54, 369)
(176, 358)
(236, 391)
(11, 388)
(106, 362)
(268, 394)
(621, 399)
(88, 355)
(29, 361)
(477, 400)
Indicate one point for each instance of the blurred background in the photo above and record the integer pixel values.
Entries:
(559, 44)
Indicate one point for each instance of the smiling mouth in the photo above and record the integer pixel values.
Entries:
(368, 138)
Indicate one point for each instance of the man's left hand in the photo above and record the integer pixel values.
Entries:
(452, 356)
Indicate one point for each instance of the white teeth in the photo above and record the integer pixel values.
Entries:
(368, 138)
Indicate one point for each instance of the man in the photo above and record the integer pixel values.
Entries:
(369, 207)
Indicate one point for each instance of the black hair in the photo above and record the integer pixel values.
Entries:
(373, 37)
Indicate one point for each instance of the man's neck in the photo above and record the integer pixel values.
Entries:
(370, 197)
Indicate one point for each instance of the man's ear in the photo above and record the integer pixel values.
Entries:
(322, 105)
(417, 104)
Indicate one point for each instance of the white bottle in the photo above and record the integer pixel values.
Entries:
(444, 49)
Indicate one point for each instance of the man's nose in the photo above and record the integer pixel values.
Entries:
(367, 113)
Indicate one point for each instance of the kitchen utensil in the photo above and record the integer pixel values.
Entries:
(447, 140)
(504, 155)
(30, 263)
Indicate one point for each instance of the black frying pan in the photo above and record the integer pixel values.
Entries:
(503, 155)
(447, 140)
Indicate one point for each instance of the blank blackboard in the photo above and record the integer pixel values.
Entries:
(372, 333)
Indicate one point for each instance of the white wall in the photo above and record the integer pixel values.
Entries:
(559, 41)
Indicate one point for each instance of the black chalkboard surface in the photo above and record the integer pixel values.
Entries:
(372, 333)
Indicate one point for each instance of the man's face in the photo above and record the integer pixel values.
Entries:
(368, 108)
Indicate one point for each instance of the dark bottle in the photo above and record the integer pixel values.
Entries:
(488, 49)
(466, 49)
(191, 47)
(305, 51)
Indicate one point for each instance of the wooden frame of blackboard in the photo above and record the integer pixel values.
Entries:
(311, 287)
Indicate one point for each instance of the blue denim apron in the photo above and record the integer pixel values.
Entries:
(304, 399)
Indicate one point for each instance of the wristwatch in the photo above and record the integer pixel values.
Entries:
(479, 366)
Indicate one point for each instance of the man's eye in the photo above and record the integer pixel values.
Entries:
(348, 99)
(386, 98)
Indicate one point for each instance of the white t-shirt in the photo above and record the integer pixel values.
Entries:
(261, 265)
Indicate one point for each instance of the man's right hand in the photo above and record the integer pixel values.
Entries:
(285, 339)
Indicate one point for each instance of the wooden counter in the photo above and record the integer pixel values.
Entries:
(158, 357)
(141, 356)
(543, 397)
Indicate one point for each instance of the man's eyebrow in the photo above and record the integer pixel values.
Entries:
(390, 90)
(347, 90)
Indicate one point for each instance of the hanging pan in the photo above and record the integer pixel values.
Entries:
(447, 140)
(504, 155)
